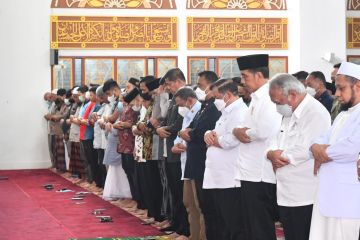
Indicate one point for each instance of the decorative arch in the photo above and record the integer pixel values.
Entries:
(115, 4)
(237, 4)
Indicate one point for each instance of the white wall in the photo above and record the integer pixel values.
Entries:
(322, 24)
(25, 76)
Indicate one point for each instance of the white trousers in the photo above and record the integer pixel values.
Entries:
(327, 228)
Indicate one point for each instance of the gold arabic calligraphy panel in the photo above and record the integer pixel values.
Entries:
(353, 5)
(237, 33)
(353, 32)
(113, 32)
(117, 4)
(237, 4)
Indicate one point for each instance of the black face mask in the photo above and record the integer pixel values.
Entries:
(71, 101)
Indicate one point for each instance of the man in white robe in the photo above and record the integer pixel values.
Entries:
(336, 214)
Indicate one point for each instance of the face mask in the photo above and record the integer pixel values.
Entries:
(87, 95)
(81, 98)
(284, 110)
(112, 98)
(67, 102)
(136, 108)
(183, 111)
(200, 94)
(311, 91)
(220, 104)
(120, 107)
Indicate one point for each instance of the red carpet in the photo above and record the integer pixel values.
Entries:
(28, 211)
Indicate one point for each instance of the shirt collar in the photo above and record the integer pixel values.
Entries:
(229, 108)
(352, 109)
(263, 90)
(195, 108)
(300, 109)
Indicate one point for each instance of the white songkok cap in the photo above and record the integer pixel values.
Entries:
(75, 90)
(350, 69)
(54, 91)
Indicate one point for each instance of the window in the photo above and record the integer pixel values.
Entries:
(97, 71)
(73, 71)
(127, 68)
(62, 74)
(226, 67)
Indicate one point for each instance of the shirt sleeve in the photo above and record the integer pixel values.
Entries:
(267, 122)
(346, 149)
(228, 140)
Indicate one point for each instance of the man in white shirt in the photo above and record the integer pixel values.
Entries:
(189, 106)
(304, 119)
(260, 125)
(336, 214)
(221, 161)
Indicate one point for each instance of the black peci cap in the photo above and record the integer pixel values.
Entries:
(131, 95)
(253, 61)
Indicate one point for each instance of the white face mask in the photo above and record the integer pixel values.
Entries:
(284, 110)
(183, 111)
(112, 98)
(220, 104)
(200, 94)
(87, 95)
(311, 91)
(81, 98)
(136, 108)
(67, 102)
(120, 107)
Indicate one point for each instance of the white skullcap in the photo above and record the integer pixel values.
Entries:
(54, 91)
(350, 69)
(75, 90)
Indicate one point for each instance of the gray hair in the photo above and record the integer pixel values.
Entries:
(287, 82)
(99, 91)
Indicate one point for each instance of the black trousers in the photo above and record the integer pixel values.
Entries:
(222, 212)
(259, 210)
(140, 176)
(91, 161)
(211, 217)
(296, 221)
(102, 168)
(150, 187)
(155, 191)
(128, 164)
(180, 217)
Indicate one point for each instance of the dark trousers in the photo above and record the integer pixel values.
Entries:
(51, 144)
(211, 217)
(222, 212)
(102, 168)
(128, 164)
(150, 187)
(140, 176)
(166, 202)
(180, 218)
(259, 210)
(296, 221)
(91, 161)
(155, 192)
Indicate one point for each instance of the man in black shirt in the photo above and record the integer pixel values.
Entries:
(317, 81)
